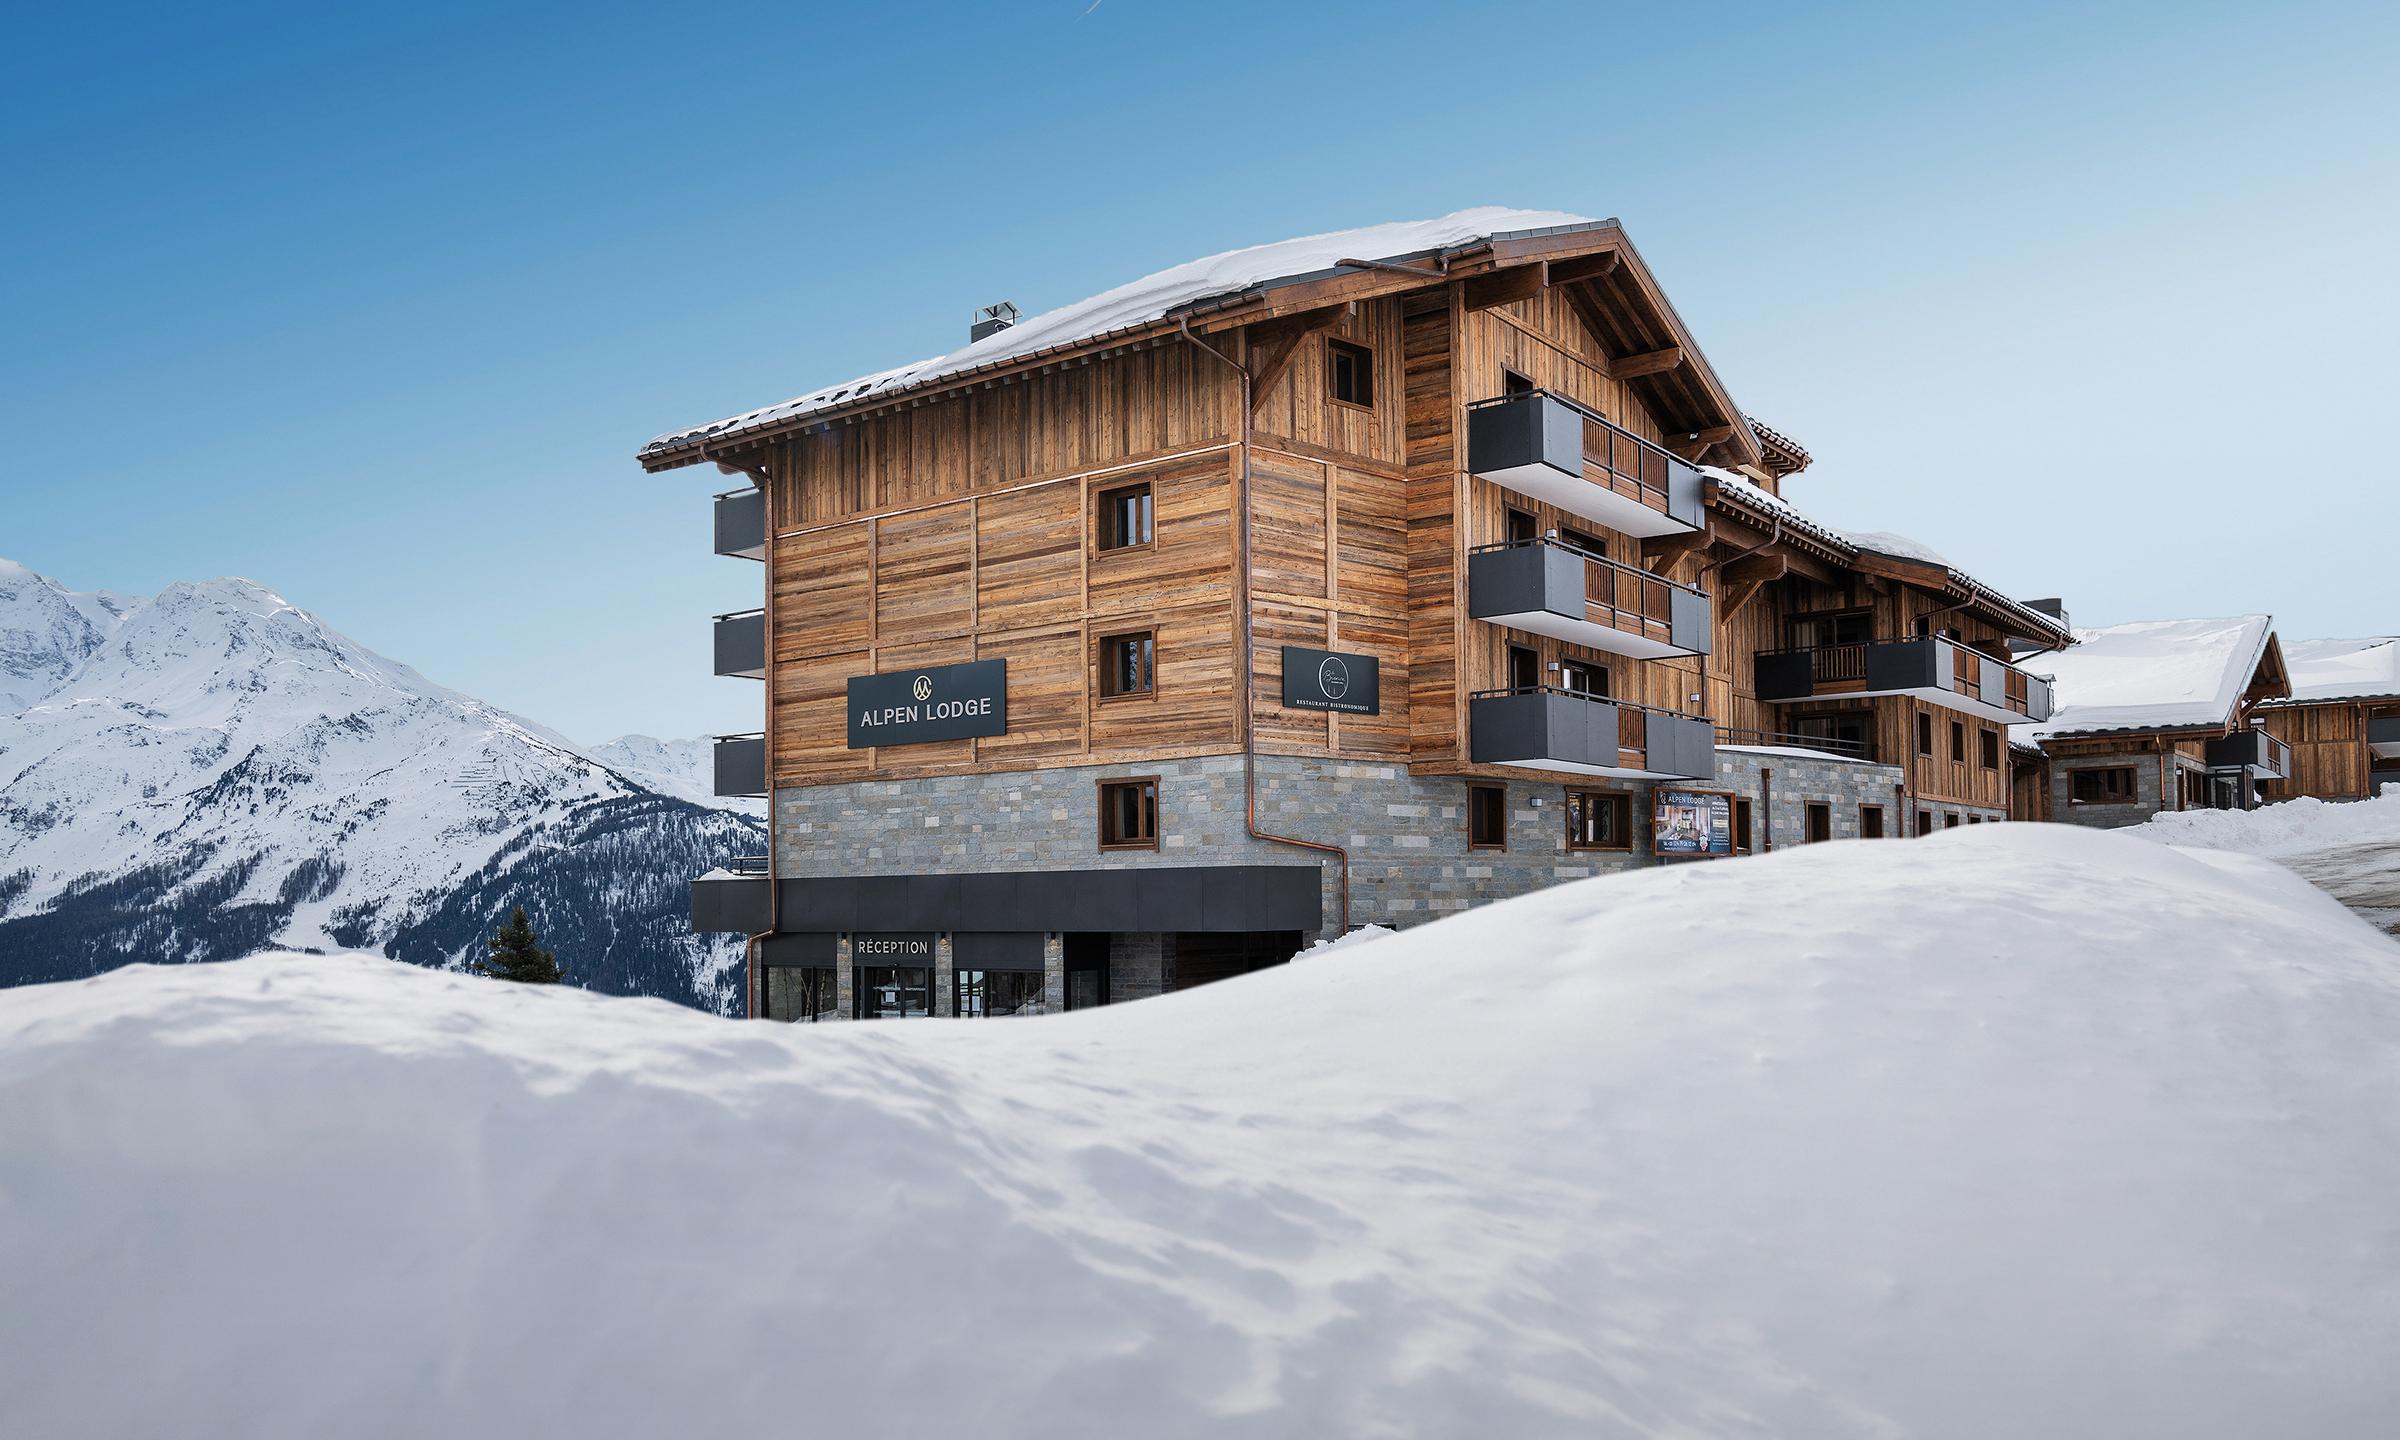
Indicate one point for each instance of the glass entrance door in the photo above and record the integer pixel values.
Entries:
(894, 992)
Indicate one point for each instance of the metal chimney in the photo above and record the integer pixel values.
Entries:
(991, 320)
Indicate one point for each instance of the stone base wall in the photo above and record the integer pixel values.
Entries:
(2149, 798)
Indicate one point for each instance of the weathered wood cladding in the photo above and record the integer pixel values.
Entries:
(2330, 758)
(962, 528)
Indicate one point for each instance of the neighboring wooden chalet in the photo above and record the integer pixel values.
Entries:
(2342, 720)
(1361, 577)
(2157, 715)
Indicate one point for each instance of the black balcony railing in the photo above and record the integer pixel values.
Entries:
(740, 641)
(741, 765)
(1547, 726)
(1933, 667)
(1558, 577)
(1847, 748)
(741, 523)
(1533, 440)
(746, 865)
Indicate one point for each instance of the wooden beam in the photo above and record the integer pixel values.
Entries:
(1665, 552)
(1285, 343)
(1587, 310)
(1579, 267)
(1768, 566)
(1691, 447)
(1502, 287)
(1650, 362)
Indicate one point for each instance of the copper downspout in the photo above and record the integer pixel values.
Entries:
(1183, 327)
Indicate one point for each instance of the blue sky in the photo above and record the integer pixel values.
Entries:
(375, 307)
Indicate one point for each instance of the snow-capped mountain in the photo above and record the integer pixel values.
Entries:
(685, 769)
(216, 771)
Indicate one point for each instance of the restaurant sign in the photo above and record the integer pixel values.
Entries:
(1692, 822)
(1328, 680)
(940, 702)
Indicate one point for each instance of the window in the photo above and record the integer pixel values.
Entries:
(1820, 821)
(1599, 820)
(1958, 742)
(1870, 822)
(1129, 814)
(1849, 732)
(1125, 517)
(2114, 785)
(1924, 822)
(800, 992)
(1974, 819)
(1350, 372)
(1524, 667)
(1924, 734)
(1950, 821)
(1583, 677)
(1126, 665)
(1991, 749)
(1844, 627)
(1585, 541)
(1511, 383)
(1487, 817)
(892, 992)
(1741, 824)
(1522, 527)
(982, 994)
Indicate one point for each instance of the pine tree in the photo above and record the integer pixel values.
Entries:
(517, 954)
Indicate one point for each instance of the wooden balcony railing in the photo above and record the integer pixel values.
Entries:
(1623, 461)
(1622, 597)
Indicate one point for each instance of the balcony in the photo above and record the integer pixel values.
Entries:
(1837, 746)
(1550, 448)
(1542, 727)
(2383, 736)
(2252, 750)
(741, 764)
(1555, 589)
(742, 523)
(1928, 667)
(742, 643)
(732, 898)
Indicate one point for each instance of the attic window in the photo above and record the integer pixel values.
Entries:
(1350, 372)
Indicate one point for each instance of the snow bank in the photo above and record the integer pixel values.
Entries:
(2289, 827)
(2015, 1130)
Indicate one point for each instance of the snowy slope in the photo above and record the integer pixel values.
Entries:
(223, 771)
(685, 769)
(2349, 849)
(46, 630)
(2026, 1131)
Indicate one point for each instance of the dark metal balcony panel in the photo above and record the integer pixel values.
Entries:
(741, 764)
(741, 643)
(2383, 735)
(1534, 445)
(1554, 730)
(2041, 702)
(1543, 588)
(1786, 675)
(2253, 750)
(742, 524)
(1897, 666)
(736, 903)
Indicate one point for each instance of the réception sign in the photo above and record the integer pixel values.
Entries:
(1692, 822)
(1329, 680)
(906, 948)
(940, 702)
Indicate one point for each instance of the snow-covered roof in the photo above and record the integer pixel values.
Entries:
(1155, 297)
(2154, 675)
(1877, 542)
(2343, 669)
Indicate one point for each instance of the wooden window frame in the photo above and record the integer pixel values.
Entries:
(1924, 822)
(1617, 800)
(1741, 818)
(1607, 674)
(1103, 518)
(1989, 747)
(1118, 782)
(1958, 742)
(1100, 660)
(1516, 382)
(1810, 810)
(1924, 735)
(2133, 784)
(1878, 832)
(1474, 789)
(1366, 369)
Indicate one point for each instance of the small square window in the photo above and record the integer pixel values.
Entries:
(1129, 814)
(1512, 383)
(1950, 822)
(1125, 517)
(1819, 817)
(1127, 665)
(1350, 372)
(1487, 817)
(1870, 822)
(1924, 822)
(1599, 820)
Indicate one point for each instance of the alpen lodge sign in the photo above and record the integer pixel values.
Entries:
(940, 702)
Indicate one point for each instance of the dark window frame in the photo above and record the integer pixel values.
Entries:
(1958, 742)
(1104, 657)
(1924, 822)
(1989, 746)
(1924, 735)
(2131, 792)
(1617, 801)
(1816, 822)
(1148, 813)
(1742, 818)
(1569, 663)
(1104, 520)
(1516, 382)
(1870, 830)
(1476, 790)
(1361, 367)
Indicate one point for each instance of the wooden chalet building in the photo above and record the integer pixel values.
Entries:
(2157, 715)
(2341, 721)
(1357, 578)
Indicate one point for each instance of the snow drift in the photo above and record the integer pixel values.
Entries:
(2016, 1130)
(2350, 849)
